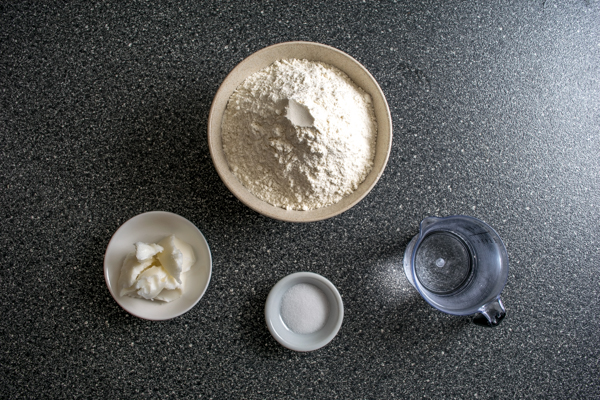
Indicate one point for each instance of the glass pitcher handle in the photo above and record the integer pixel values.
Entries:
(491, 313)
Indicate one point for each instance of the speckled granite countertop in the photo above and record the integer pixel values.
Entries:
(496, 113)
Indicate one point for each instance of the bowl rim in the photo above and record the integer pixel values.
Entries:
(384, 123)
(274, 300)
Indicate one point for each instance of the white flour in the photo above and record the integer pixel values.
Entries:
(299, 134)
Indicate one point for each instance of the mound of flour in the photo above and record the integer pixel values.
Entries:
(299, 134)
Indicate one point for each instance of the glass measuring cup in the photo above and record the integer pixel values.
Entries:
(459, 265)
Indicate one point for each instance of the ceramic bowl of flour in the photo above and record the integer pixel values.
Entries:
(304, 311)
(297, 113)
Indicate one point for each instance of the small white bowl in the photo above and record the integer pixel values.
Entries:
(296, 341)
(151, 227)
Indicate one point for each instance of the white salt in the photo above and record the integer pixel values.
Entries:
(304, 308)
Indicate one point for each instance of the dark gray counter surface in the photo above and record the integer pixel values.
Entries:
(496, 114)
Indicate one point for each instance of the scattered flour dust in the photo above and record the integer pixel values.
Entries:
(299, 134)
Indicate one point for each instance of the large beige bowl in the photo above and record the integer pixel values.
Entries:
(313, 52)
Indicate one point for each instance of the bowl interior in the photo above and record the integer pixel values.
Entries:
(313, 52)
(296, 341)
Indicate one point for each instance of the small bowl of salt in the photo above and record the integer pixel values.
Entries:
(304, 311)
